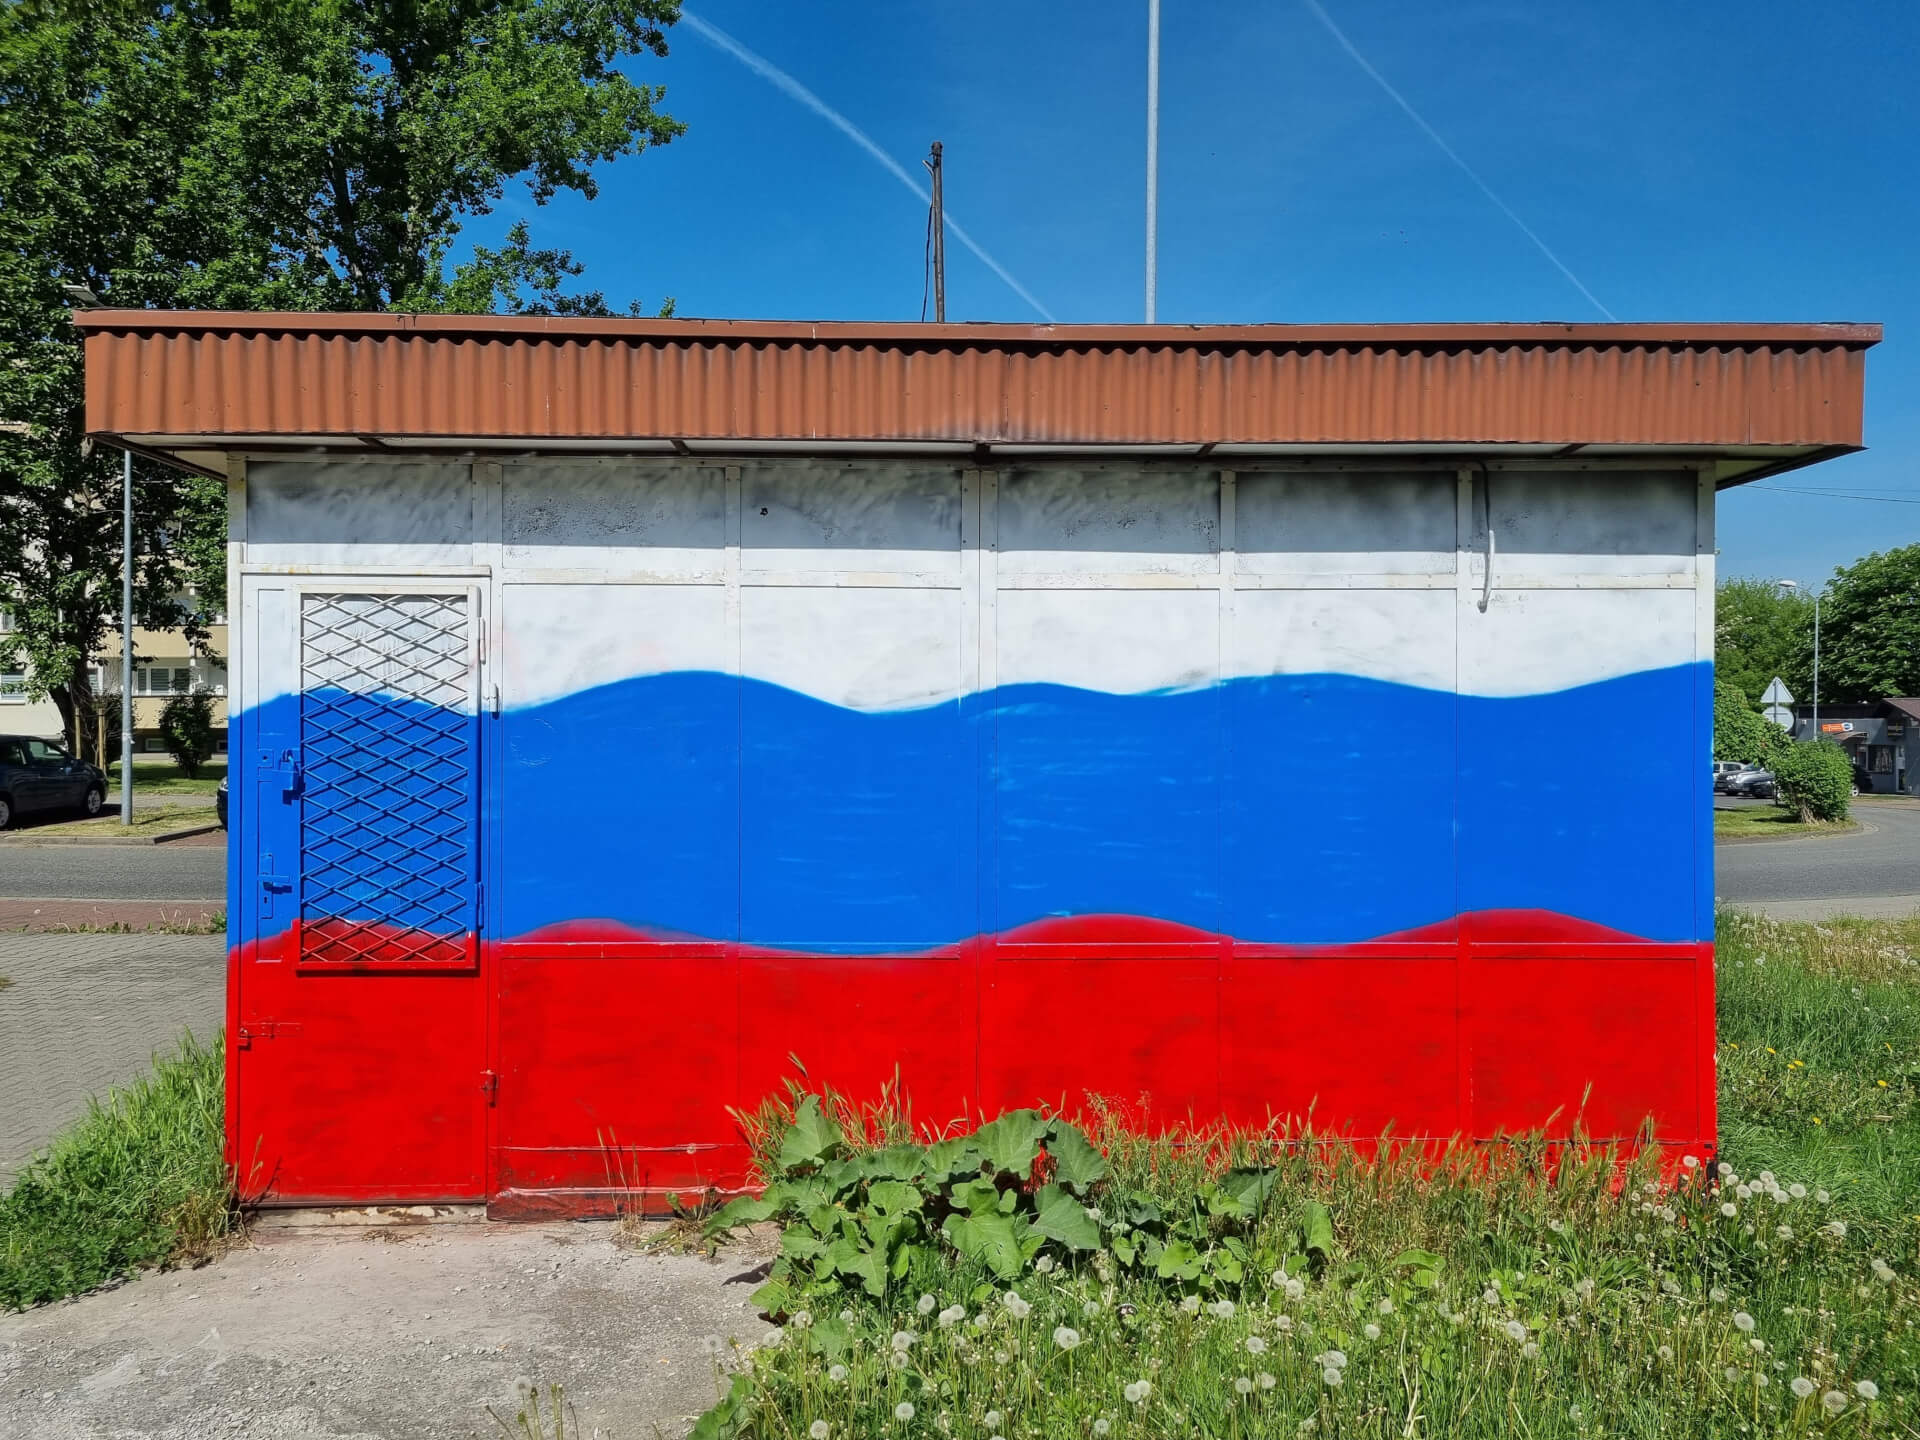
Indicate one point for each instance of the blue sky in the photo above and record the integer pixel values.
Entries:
(1724, 161)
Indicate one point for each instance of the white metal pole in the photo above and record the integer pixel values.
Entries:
(1816, 665)
(126, 641)
(1153, 152)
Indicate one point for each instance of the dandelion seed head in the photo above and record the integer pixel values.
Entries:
(1866, 1389)
(1242, 1385)
(927, 1305)
(1797, 1190)
(1822, 1197)
(836, 1373)
(1090, 1309)
(1016, 1307)
(1692, 1162)
(1530, 1351)
(1265, 1381)
(1331, 1376)
(1743, 1322)
(951, 1316)
(1044, 1264)
(1833, 1402)
(1137, 1392)
(1515, 1330)
(903, 1411)
(1729, 1209)
(1065, 1337)
(1255, 1345)
(898, 1359)
(1222, 1309)
(1801, 1386)
(992, 1419)
(903, 1340)
(1666, 1354)
(1296, 1289)
(1102, 1425)
(818, 1430)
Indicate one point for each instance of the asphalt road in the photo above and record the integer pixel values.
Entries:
(180, 871)
(1881, 859)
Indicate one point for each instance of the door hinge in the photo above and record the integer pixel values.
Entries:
(490, 1085)
(479, 906)
(244, 1037)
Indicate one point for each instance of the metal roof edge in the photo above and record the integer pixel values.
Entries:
(1848, 334)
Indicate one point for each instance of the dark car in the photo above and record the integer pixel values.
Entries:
(38, 777)
(1754, 783)
(220, 802)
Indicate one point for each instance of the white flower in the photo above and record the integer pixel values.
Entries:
(903, 1411)
(1732, 1374)
(1883, 1272)
(1222, 1309)
(1801, 1386)
(802, 1320)
(836, 1373)
(1277, 1279)
(1822, 1196)
(1866, 1389)
(1016, 1307)
(1102, 1425)
(903, 1340)
(1797, 1190)
(1692, 1162)
(1370, 1330)
(1065, 1337)
(1332, 1359)
(898, 1359)
(1717, 1295)
(1574, 1412)
(1265, 1381)
(1332, 1376)
(1090, 1309)
(1757, 1345)
(951, 1316)
(1743, 1322)
(1729, 1209)
(1386, 1307)
(818, 1430)
(1490, 1295)
(1766, 1177)
(1044, 1264)
(1745, 1192)
(1785, 1232)
(1242, 1385)
(1530, 1351)
(1138, 1392)
(1515, 1330)
(1666, 1354)
(1255, 1345)
(1295, 1289)
(926, 1305)
(1834, 1402)
(1834, 1229)
(1283, 1323)
(1191, 1304)
(991, 1419)
(773, 1336)
(846, 1317)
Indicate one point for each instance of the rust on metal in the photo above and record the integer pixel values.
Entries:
(170, 380)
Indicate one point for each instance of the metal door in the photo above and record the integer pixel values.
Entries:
(360, 1014)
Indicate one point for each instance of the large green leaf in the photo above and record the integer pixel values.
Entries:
(976, 1197)
(1250, 1186)
(742, 1210)
(895, 1162)
(1063, 1218)
(1003, 1243)
(867, 1266)
(811, 1138)
(891, 1197)
(1011, 1143)
(947, 1160)
(1179, 1261)
(1075, 1162)
(1319, 1230)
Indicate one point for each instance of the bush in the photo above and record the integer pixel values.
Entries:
(186, 728)
(1740, 732)
(1815, 778)
(140, 1181)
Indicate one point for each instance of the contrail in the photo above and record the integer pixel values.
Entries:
(1447, 150)
(794, 90)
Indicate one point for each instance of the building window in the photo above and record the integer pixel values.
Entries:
(7, 623)
(162, 679)
(1880, 759)
(13, 687)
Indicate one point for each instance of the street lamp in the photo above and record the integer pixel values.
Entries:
(1794, 586)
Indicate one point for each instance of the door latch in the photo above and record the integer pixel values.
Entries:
(490, 1085)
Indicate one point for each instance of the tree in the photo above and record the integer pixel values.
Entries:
(1759, 632)
(260, 154)
(1870, 628)
(1814, 779)
(186, 729)
(1742, 733)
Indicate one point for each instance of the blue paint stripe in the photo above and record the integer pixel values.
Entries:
(1284, 809)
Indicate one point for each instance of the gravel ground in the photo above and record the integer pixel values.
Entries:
(404, 1331)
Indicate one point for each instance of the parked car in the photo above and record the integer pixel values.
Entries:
(37, 777)
(220, 802)
(1862, 781)
(1722, 769)
(1754, 782)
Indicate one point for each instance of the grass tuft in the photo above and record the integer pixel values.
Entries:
(139, 1181)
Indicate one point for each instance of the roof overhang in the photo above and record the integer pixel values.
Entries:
(192, 387)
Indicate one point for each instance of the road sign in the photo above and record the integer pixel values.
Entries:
(1777, 693)
(1780, 715)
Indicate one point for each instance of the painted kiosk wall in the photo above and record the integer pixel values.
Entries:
(1209, 791)
(1207, 718)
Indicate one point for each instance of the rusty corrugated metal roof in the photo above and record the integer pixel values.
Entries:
(174, 380)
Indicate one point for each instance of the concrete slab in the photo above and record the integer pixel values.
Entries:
(405, 1332)
(1866, 907)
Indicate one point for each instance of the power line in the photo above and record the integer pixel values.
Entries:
(1835, 494)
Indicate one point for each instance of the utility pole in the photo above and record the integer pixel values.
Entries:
(126, 638)
(939, 241)
(1153, 152)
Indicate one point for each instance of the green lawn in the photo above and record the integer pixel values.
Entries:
(163, 777)
(1242, 1286)
(1771, 823)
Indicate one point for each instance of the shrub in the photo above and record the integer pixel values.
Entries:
(139, 1181)
(1815, 778)
(186, 728)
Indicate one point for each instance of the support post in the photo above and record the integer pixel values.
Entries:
(126, 638)
(1153, 153)
(939, 241)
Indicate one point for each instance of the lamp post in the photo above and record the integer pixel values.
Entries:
(1153, 156)
(1794, 586)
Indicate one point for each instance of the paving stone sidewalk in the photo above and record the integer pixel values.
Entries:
(80, 1013)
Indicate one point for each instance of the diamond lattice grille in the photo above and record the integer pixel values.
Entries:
(387, 787)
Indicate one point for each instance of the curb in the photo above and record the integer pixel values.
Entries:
(183, 834)
(1857, 827)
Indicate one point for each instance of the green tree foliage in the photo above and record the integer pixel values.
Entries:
(1742, 733)
(1870, 628)
(260, 154)
(187, 730)
(1760, 632)
(1815, 778)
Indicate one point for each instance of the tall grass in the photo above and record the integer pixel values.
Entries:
(1509, 1292)
(138, 1181)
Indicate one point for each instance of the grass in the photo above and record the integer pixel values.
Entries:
(1772, 823)
(164, 777)
(146, 823)
(1495, 1292)
(139, 1181)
